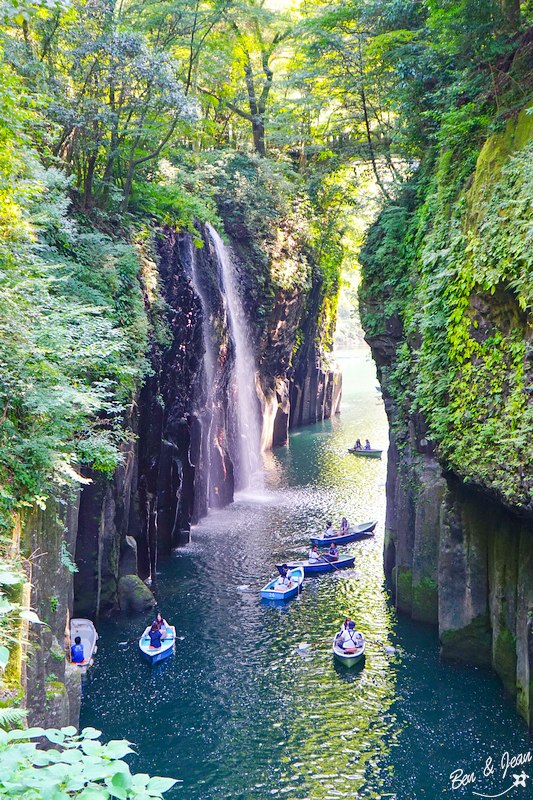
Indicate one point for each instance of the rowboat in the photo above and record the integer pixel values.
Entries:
(314, 567)
(155, 654)
(282, 593)
(351, 657)
(85, 629)
(360, 451)
(354, 532)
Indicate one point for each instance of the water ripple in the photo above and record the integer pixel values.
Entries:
(242, 710)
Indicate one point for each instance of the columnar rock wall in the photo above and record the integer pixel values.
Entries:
(52, 686)
(450, 331)
(456, 558)
(175, 465)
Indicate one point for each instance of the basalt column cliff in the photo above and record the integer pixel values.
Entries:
(446, 304)
(184, 457)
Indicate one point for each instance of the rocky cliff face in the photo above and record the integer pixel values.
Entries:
(179, 463)
(450, 329)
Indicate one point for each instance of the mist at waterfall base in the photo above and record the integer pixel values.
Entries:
(251, 705)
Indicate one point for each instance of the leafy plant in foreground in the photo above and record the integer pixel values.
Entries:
(79, 767)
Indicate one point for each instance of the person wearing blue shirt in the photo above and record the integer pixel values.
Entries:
(333, 552)
(76, 652)
(156, 636)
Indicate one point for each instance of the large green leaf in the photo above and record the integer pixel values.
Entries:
(94, 793)
(118, 748)
(9, 578)
(90, 747)
(4, 656)
(31, 616)
(90, 733)
(157, 785)
(55, 736)
(5, 605)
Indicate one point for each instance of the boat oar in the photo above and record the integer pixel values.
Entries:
(389, 649)
(131, 641)
(245, 586)
(330, 562)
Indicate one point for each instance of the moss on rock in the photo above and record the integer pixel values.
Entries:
(57, 713)
(504, 659)
(134, 596)
(403, 579)
(471, 644)
(425, 600)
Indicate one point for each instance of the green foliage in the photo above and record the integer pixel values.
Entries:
(73, 329)
(12, 718)
(78, 766)
(66, 559)
(474, 360)
(171, 204)
(12, 611)
(463, 294)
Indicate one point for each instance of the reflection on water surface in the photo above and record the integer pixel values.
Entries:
(251, 705)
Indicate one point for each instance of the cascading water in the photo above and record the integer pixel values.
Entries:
(243, 400)
(209, 354)
(209, 370)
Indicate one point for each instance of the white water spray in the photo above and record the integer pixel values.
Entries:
(243, 401)
(209, 361)
(209, 351)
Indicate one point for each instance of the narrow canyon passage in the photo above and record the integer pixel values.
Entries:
(242, 709)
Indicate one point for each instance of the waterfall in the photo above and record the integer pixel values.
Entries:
(243, 405)
(209, 369)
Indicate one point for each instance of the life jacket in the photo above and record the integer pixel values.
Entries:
(352, 633)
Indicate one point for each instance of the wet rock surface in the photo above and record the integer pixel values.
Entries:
(177, 463)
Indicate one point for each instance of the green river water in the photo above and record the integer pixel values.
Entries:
(242, 710)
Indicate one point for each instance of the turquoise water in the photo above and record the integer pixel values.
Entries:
(251, 705)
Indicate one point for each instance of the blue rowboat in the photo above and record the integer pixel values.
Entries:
(351, 657)
(273, 592)
(322, 566)
(354, 532)
(155, 654)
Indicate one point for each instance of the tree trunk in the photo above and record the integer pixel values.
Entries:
(511, 14)
(128, 183)
(258, 132)
(88, 183)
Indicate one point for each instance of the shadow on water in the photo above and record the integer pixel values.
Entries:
(242, 710)
(349, 674)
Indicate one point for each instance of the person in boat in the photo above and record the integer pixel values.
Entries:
(76, 651)
(350, 638)
(345, 525)
(358, 445)
(156, 636)
(367, 445)
(333, 552)
(285, 578)
(161, 623)
(329, 529)
(314, 555)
